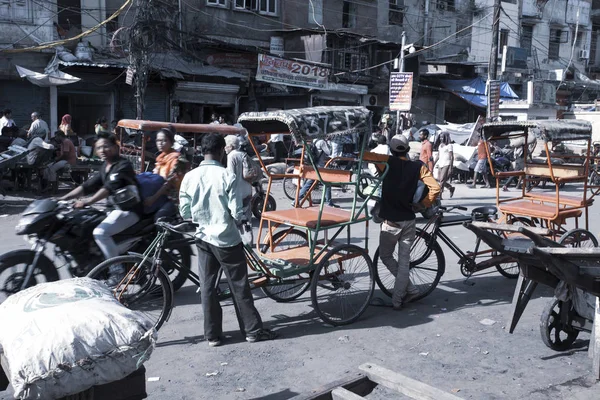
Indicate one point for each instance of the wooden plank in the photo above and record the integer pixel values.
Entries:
(510, 228)
(595, 342)
(573, 251)
(405, 385)
(358, 384)
(339, 393)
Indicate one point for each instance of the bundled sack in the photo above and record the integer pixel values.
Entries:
(61, 338)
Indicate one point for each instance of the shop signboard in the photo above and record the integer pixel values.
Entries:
(401, 91)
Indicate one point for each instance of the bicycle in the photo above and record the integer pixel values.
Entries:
(426, 272)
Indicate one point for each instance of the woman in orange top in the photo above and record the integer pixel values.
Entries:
(167, 165)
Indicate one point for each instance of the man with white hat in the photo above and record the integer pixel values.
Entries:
(397, 211)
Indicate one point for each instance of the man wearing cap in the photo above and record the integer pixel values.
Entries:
(397, 211)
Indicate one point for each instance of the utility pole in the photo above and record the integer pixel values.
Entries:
(493, 63)
(400, 69)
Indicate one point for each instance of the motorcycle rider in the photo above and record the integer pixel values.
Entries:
(115, 175)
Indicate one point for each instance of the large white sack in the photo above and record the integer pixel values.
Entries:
(61, 338)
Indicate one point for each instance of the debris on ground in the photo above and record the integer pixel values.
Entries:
(212, 373)
(487, 322)
(154, 379)
(344, 339)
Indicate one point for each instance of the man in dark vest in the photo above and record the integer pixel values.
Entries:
(397, 211)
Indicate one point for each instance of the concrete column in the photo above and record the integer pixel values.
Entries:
(53, 109)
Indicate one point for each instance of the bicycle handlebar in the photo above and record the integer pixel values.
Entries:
(182, 227)
(452, 208)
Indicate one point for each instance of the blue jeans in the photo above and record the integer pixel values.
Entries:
(308, 183)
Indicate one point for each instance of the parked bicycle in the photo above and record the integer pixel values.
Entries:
(427, 260)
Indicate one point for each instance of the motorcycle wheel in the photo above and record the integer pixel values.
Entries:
(13, 268)
(257, 205)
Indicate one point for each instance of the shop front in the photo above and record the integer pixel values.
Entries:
(195, 102)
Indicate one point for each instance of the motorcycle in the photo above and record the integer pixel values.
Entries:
(70, 231)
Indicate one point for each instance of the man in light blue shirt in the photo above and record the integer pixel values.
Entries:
(208, 196)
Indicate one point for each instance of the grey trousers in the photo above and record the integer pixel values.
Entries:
(401, 234)
(52, 169)
(233, 261)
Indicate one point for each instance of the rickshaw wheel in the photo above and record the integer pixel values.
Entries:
(555, 334)
(580, 238)
(283, 292)
(427, 265)
(343, 284)
(289, 188)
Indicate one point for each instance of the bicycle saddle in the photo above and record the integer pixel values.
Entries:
(485, 210)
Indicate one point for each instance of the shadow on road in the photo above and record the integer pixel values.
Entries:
(282, 395)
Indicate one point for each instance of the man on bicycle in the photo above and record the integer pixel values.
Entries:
(208, 196)
(399, 225)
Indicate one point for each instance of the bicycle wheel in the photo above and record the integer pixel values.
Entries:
(342, 285)
(281, 291)
(149, 292)
(512, 269)
(580, 238)
(427, 265)
(289, 188)
(180, 253)
(594, 180)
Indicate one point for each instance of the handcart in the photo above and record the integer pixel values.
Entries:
(543, 208)
(8, 160)
(570, 265)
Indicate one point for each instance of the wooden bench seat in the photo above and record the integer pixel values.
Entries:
(559, 171)
(574, 201)
(327, 174)
(308, 217)
(530, 209)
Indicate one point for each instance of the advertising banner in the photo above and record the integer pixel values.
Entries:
(293, 73)
(401, 91)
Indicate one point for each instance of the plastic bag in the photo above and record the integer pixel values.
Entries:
(61, 338)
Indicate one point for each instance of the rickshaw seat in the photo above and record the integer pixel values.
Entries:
(327, 174)
(308, 217)
(530, 209)
(574, 201)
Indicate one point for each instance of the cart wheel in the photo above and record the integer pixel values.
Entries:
(554, 333)
(427, 265)
(343, 284)
(281, 291)
(581, 238)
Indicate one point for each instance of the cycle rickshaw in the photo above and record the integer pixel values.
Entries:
(297, 248)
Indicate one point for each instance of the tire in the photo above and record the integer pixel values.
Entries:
(257, 205)
(183, 254)
(427, 265)
(349, 279)
(11, 276)
(580, 238)
(289, 188)
(555, 334)
(594, 180)
(280, 291)
(511, 270)
(149, 290)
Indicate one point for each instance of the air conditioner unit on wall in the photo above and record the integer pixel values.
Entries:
(584, 54)
(368, 100)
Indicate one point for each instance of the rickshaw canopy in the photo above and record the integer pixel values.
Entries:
(309, 123)
(150, 126)
(546, 130)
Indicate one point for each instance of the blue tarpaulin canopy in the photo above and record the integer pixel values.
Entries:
(473, 90)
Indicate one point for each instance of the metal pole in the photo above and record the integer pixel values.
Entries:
(400, 69)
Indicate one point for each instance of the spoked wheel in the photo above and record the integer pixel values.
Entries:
(594, 180)
(343, 284)
(578, 237)
(427, 265)
(149, 292)
(287, 289)
(555, 334)
(183, 255)
(13, 271)
(289, 188)
(512, 269)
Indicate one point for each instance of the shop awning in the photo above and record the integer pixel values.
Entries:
(55, 78)
(473, 90)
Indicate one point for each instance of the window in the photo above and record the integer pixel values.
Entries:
(251, 5)
(69, 14)
(396, 14)
(268, 7)
(218, 3)
(315, 12)
(581, 39)
(503, 40)
(352, 61)
(527, 38)
(349, 15)
(15, 10)
(554, 44)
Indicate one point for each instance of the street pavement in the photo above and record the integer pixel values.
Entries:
(438, 340)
